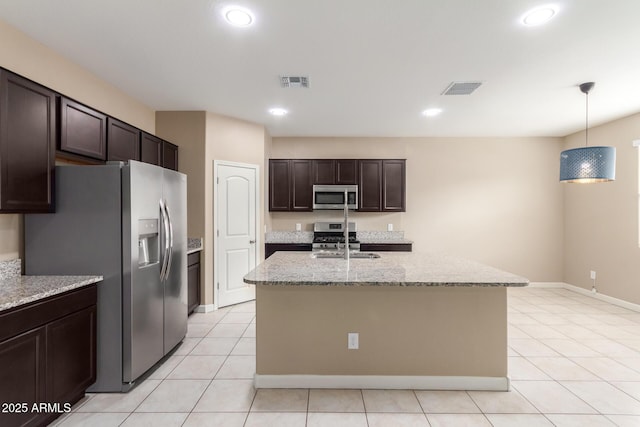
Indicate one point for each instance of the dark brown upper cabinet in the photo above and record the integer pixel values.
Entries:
(370, 186)
(279, 185)
(393, 185)
(331, 171)
(302, 185)
(150, 149)
(123, 141)
(169, 155)
(324, 171)
(28, 141)
(346, 171)
(290, 185)
(381, 182)
(382, 185)
(83, 130)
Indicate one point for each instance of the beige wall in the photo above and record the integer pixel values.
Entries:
(23, 55)
(601, 220)
(494, 200)
(203, 138)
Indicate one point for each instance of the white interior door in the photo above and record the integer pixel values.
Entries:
(236, 247)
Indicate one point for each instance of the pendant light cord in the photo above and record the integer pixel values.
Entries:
(586, 120)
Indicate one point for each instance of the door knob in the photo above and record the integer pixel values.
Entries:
(251, 242)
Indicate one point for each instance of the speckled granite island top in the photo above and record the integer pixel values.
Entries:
(20, 290)
(391, 269)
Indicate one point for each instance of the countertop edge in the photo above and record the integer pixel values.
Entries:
(389, 284)
(66, 283)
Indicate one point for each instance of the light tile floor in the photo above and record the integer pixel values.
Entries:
(573, 360)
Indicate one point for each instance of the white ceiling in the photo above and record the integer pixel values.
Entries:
(373, 65)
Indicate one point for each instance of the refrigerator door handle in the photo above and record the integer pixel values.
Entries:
(170, 223)
(165, 224)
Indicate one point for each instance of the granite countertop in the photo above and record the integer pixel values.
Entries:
(20, 290)
(16, 290)
(194, 244)
(392, 269)
(379, 237)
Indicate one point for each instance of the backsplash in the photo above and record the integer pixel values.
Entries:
(288, 236)
(9, 269)
(307, 236)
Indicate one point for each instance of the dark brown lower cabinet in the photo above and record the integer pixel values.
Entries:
(386, 247)
(22, 377)
(71, 355)
(271, 248)
(193, 281)
(47, 357)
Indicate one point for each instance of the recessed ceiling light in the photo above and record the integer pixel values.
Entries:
(278, 111)
(238, 16)
(539, 15)
(432, 112)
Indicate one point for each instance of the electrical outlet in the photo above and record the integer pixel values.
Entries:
(352, 341)
(298, 226)
(389, 227)
(593, 275)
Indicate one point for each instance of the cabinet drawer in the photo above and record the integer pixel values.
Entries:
(386, 247)
(193, 258)
(24, 318)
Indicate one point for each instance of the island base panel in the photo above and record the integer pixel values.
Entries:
(444, 335)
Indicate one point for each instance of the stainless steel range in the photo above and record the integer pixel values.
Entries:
(329, 236)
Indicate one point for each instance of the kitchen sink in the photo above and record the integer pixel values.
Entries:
(352, 255)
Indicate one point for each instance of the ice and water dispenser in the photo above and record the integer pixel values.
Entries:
(147, 242)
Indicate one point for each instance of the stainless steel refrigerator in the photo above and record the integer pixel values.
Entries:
(128, 223)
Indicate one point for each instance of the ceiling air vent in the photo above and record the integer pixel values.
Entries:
(294, 81)
(461, 88)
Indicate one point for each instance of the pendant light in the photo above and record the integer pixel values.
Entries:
(588, 164)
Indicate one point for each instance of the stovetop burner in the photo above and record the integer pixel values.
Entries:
(333, 239)
(330, 235)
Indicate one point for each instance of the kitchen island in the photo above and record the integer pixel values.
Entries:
(424, 321)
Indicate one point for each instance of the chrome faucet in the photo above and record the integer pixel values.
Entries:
(346, 225)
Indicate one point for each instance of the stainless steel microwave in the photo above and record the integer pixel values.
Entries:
(332, 196)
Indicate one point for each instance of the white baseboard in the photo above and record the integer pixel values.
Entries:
(597, 295)
(388, 382)
(206, 308)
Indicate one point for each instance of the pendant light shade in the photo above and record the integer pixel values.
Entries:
(588, 164)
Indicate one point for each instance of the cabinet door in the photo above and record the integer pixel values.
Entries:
(302, 189)
(393, 185)
(193, 282)
(324, 171)
(169, 155)
(150, 149)
(123, 141)
(28, 142)
(22, 379)
(346, 171)
(370, 186)
(71, 355)
(83, 131)
(279, 185)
